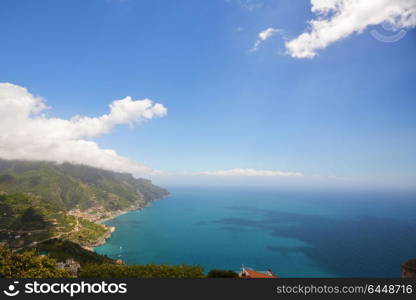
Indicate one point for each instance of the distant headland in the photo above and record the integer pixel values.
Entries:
(42, 200)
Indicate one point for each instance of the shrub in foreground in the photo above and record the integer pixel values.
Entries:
(28, 265)
(62, 250)
(140, 271)
(222, 274)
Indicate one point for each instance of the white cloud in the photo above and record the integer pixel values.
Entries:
(263, 36)
(250, 172)
(27, 133)
(338, 19)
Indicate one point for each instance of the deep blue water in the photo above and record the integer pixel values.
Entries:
(300, 233)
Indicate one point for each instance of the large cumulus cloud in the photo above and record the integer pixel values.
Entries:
(338, 19)
(27, 133)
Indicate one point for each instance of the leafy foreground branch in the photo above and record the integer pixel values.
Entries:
(140, 271)
(28, 265)
(31, 265)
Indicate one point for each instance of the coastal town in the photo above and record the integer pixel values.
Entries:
(100, 214)
(81, 222)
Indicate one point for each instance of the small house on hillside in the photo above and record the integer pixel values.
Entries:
(69, 265)
(250, 273)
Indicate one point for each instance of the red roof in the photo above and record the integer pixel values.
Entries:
(254, 274)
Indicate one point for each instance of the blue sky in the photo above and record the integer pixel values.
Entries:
(345, 116)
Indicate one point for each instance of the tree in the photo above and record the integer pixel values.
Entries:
(140, 271)
(31, 219)
(222, 274)
(28, 265)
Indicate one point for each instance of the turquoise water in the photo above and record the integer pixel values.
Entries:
(295, 233)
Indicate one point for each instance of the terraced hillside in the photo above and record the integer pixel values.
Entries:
(43, 200)
(67, 186)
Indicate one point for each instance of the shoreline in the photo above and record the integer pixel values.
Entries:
(112, 229)
(120, 213)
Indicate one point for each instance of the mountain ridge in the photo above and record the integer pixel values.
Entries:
(70, 185)
(40, 200)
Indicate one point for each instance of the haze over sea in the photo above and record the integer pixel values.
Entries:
(296, 233)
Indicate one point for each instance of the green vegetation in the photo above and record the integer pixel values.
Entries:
(24, 219)
(17, 212)
(222, 274)
(32, 219)
(67, 186)
(50, 208)
(28, 265)
(140, 271)
(62, 250)
(42, 200)
(89, 233)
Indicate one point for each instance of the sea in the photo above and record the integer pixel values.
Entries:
(294, 232)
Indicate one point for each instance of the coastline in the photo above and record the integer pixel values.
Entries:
(123, 212)
(117, 214)
(111, 229)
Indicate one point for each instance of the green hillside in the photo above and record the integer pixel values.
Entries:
(44, 200)
(63, 250)
(67, 186)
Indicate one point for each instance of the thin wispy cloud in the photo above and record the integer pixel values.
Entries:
(27, 133)
(337, 19)
(264, 36)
